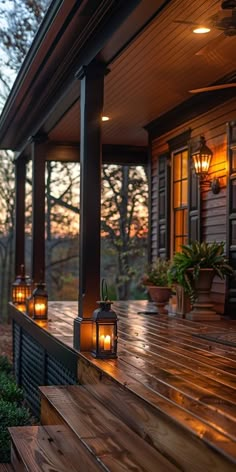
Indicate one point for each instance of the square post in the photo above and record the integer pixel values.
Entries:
(20, 177)
(38, 209)
(91, 102)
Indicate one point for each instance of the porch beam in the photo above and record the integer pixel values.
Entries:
(92, 92)
(19, 243)
(111, 153)
(39, 149)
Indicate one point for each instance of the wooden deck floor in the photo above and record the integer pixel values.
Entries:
(188, 379)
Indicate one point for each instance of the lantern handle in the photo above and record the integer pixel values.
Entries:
(104, 292)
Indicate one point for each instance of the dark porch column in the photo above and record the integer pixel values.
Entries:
(92, 86)
(20, 175)
(38, 210)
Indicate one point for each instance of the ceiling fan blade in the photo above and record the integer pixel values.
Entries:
(186, 22)
(211, 88)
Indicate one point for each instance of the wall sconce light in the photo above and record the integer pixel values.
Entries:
(39, 307)
(104, 329)
(202, 159)
(21, 288)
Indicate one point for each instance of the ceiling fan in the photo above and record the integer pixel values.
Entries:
(212, 88)
(225, 22)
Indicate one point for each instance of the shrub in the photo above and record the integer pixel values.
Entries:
(5, 365)
(157, 273)
(12, 410)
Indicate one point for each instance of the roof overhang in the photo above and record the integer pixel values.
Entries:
(71, 35)
(153, 63)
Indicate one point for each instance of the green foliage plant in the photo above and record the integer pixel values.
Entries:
(157, 273)
(196, 256)
(12, 409)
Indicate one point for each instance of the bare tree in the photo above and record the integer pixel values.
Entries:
(19, 21)
(124, 220)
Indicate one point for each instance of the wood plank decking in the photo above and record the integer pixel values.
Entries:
(174, 390)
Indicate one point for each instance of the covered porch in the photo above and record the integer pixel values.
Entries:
(135, 64)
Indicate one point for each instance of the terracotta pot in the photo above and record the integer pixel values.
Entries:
(159, 295)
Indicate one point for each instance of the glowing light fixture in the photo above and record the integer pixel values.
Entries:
(201, 30)
(104, 328)
(21, 288)
(201, 157)
(105, 118)
(39, 307)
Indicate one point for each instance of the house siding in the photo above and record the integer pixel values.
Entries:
(212, 125)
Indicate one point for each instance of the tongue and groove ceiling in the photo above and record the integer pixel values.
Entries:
(155, 73)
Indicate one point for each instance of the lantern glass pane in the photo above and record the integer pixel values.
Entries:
(40, 306)
(20, 292)
(29, 306)
(106, 337)
(197, 163)
(94, 334)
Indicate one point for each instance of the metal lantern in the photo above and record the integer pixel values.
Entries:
(30, 306)
(104, 331)
(21, 288)
(40, 302)
(202, 158)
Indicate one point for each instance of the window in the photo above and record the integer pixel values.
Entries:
(180, 199)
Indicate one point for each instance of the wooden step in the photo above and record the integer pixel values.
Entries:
(112, 442)
(54, 448)
(6, 468)
(75, 406)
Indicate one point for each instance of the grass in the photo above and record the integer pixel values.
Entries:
(13, 411)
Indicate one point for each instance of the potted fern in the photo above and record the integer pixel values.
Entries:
(157, 282)
(194, 269)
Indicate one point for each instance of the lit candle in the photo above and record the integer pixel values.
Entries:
(107, 343)
(39, 308)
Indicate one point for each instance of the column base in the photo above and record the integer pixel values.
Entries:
(83, 332)
(201, 312)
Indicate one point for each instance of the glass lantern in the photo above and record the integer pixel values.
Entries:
(40, 302)
(21, 288)
(30, 306)
(104, 331)
(202, 158)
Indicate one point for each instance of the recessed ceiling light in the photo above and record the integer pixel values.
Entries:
(201, 30)
(105, 118)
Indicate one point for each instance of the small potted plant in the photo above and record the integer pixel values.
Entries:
(194, 269)
(157, 283)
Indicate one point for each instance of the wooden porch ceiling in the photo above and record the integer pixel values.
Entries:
(155, 73)
(153, 64)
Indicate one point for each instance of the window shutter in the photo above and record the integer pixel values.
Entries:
(163, 206)
(194, 204)
(231, 219)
